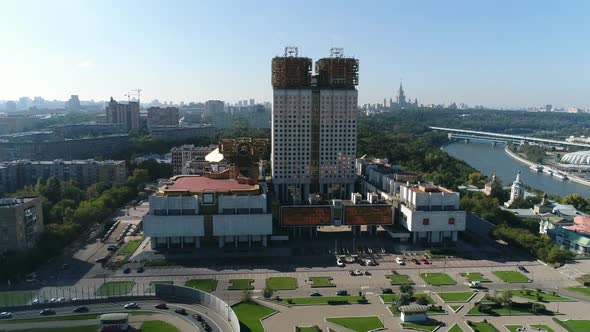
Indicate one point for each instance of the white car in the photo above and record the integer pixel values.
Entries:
(53, 300)
(61, 299)
(400, 261)
(131, 305)
(36, 301)
(5, 315)
(339, 262)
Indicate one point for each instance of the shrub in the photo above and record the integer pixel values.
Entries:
(484, 308)
(527, 292)
(469, 322)
(538, 308)
(422, 301)
(267, 293)
(290, 301)
(277, 298)
(539, 297)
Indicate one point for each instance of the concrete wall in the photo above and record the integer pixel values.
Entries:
(242, 224)
(438, 220)
(478, 226)
(165, 226)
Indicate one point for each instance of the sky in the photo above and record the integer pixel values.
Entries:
(494, 53)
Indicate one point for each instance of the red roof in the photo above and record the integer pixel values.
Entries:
(581, 225)
(197, 184)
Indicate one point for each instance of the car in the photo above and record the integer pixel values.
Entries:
(100, 260)
(161, 306)
(400, 261)
(315, 294)
(53, 300)
(46, 312)
(127, 270)
(81, 309)
(415, 261)
(424, 261)
(180, 311)
(387, 291)
(197, 317)
(112, 247)
(355, 273)
(367, 273)
(5, 315)
(340, 263)
(61, 299)
(341, 293)
(475, 284)
(35, 301)
(523, 269)
(140, 270)
(131, 305)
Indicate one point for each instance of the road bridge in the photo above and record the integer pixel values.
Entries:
(495, 137)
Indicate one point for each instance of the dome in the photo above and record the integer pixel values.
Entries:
(577, 158)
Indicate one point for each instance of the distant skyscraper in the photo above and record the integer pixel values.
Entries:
(313, 126)
(215, 110)
(400, 99)
(162, 116)
(124, 114)
(73, 105)
(251, 102)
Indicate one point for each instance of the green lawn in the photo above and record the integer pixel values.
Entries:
(514, 310)
(584, 279)
(311, 300)
(308, 329)
(455, 296)
(206, 285)
(399, 279)
(456, 328)
(130, 247)
(475, 276)
(426, 326)
(358, 324)
(16, 298)
(544, 296)
(249, 314)
(389, 298)
(437, 279)
(89, 328)
(483, 327)
(511, 276)
(456, 308)
(65, 318)
(544, 327)
(151, 287)
(321, 282)
(240, 284)
(115, 288)
(580, 289)
(281, 283)
(513, 328)
(574, 325)
(158, 326)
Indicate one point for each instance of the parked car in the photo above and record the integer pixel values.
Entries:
(523, 269)
(35, 301)
(5, 315)
(140, 269)
(400, 261)
(387, 291)
(112, 247)
(161, 306)
(415, 261)
(340, 263)
(198, 318)
(100, 260)
(367, 273)
(315, 294)
(424, 261)
(131, 305)
(47, 312)
(53, 300)
(127, 270)
(61, 299)
(342, 293)
(356, 273)
(180, 311)
(81, 309)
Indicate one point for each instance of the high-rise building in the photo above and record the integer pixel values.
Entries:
(125, 114)
(10, 106)
(252, 102)
(73, 105)
(21, 222)
(215, 110)
(162, 116)
(313, 126)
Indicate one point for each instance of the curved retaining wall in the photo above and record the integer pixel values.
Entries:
(191, 295)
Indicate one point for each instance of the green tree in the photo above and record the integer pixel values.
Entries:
(477, 179)
(577, 200)
(71, 191)
(52, 191)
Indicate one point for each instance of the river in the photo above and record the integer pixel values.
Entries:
(490, 159)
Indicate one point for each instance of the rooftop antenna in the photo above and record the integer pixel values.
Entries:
(291, 51)
(336, 52)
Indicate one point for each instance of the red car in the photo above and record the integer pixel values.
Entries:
(161, 306)
(424, 261)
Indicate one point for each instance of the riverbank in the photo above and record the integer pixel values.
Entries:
(529, 163)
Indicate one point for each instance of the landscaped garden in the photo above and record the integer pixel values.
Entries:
(428, 326)
(115, 288)
(456, 307)
(16, 298)
(206, 285)
(389, 298)
(281, 283)
(539, 295)
(475, 276)
(249, 314)
(240, 284)
(315, 300)
(399, 279)
(512, 309)
(580, 289)
(358, 324)
(511, 276)
(456, 328)
(574, 325)
(130, 247)
(543, 327)
(321, 282)
(584, 280)
(513, 328)
(437, 279)
(456, 296)
(482, 326)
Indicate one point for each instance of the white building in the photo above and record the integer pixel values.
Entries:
(313, 126)
(220, 208)
(431, 213)
(516, 191)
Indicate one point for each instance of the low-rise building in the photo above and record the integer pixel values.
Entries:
(431, 213)
(179, 134)
(217, 208)
(21, 223)
(181, 155)
(162, 116)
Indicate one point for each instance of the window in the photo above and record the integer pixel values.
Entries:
(451, 221)
(425, 221)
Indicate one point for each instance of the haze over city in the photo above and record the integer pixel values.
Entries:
(500, 54)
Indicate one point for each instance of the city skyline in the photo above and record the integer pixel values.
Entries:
(498, 56)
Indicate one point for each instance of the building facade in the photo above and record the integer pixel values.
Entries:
(21, 223)
(124, 114)
(162, 116)
(431, 213)
(15, 175)
(175, 133)
(183, 154)
(313, 126)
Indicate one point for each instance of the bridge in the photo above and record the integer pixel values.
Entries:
(485, 136)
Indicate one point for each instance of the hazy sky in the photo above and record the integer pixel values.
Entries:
(496, 53)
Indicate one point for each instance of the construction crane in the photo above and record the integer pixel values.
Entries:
(134, 92)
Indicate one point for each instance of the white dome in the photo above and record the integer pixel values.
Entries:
(577, 158)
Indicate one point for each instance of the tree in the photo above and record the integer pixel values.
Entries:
(505, 297)
(477, 179)
(406, 289)
(71, 191)
(52, 191)
(267, 293)
(577, 201)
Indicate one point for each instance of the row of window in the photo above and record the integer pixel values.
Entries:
(426, 221)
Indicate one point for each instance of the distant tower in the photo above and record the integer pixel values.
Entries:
(517, 190)
(401, 97)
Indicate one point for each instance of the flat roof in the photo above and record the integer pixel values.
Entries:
(198, 184)
(114, 316)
